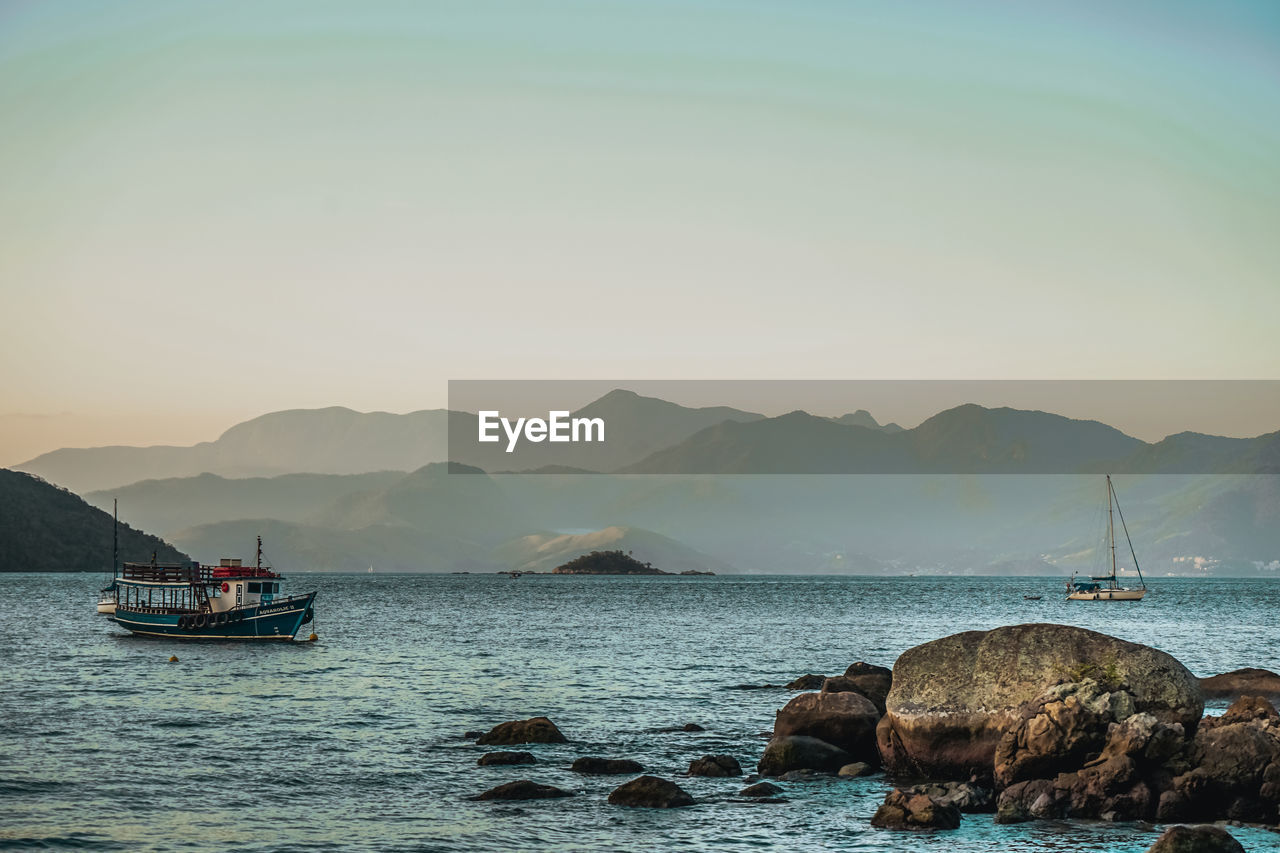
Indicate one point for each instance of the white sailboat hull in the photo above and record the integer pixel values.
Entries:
(1107, 595)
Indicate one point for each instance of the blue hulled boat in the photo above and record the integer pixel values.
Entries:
(193, 602)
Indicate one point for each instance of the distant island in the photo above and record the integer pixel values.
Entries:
(612, 563)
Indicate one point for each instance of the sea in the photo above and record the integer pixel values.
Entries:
(355, 742)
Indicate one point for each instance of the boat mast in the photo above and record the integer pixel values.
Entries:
(115, 536)
(258, 562)
(1128, 539)
(1111, 529)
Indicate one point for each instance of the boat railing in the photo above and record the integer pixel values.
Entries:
(166, 573)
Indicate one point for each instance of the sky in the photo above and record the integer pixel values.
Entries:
(213, 210)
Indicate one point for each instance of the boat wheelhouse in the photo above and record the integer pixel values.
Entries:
(190, 601)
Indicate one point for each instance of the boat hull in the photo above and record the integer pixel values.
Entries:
(1107, 595)
(279, 620)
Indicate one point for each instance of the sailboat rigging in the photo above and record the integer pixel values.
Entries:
(1106, 587)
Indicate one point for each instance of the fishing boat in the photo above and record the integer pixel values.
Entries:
(1106, 587)
(189, 601)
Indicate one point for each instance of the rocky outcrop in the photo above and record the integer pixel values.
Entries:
(1250, 681)
(1196, 839)
(503, 758)
(953, 700)
(522, 790)
(845, 720)
(650, 792)
(808, 682)
(535, 730)
(1233, 768)
(904, 810)
(715, 765)
(1119, 783)
(606, 766)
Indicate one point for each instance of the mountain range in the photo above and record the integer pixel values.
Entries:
(721, 487)
(47, 529)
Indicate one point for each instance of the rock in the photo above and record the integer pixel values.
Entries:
(763, 800)
(1195, 839)
(535, 730)
(902, 810)
(856, 769)
(1035, 799)
(808, 682)
(761, 789)
(846, 720)
(606, 766)
(1244, 710)
(1058, 730)
(799, 752)
(471, 735)
(692, 727)
(868, 679)
(1234, 770)
(953, 699)
(496, 758)
(715, 765)
(522, 790)
(650, 792)
(968, 797)
(1242, 682)
(805, 775)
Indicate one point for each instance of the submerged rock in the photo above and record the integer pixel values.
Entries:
(903, 810)
(845, 720)
(761, 789)
(606, 766)
(534, 730)
(522, 790)
(953, 699)
(800, 752)
(1196, 839)
(650, 792)
(856, 769)
(715, 765)
(500, 758)
(808, 682)
(1250, 681)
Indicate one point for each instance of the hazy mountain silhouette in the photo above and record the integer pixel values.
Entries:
(175, 503)
(967, 439)
(863, 418)
(47, 529)
(337, 440)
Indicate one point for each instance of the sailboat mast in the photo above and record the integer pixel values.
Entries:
(1111, 528)
(115, 535)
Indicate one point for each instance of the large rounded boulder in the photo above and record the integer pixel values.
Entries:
(953, 699)
(847, 720)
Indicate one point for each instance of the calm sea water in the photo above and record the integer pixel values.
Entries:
(354, 742)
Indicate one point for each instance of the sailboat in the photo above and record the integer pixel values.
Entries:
(1105, 587)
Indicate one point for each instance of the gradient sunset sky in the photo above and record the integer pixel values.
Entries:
(214, 210)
